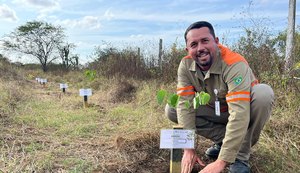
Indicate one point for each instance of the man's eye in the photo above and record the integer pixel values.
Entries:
(193, 45)
(205, 41)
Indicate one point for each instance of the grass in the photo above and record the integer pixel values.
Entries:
(51, 115)
(44, 130)
(53, 132)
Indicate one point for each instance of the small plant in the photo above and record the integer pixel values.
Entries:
(90, 74)
(201, 98)
(297, 66)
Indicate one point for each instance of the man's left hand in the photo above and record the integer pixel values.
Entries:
(214, 167)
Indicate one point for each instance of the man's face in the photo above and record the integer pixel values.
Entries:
(202, 46)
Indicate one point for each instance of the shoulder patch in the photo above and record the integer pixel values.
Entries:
(238, 80)
(230, 57)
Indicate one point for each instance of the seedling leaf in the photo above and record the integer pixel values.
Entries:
(161, 94)
(205, 97)
(196, 102)
(173, 100)
(187, 104)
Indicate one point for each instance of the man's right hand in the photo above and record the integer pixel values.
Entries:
(188, 160)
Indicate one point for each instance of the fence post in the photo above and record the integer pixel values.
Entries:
(160, 55)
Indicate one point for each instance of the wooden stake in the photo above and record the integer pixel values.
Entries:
(175, 158)
(85, 102)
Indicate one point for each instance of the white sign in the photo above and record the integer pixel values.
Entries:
(177, 138)
(85, 92)
(43, 80)
(37, 79)
(63, 85)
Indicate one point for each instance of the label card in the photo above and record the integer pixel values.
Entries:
(177, 138)
(43, 80)
(63, 85)
(85, 92)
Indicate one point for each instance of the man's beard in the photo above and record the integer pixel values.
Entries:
(206, 63)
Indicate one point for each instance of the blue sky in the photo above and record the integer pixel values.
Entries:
(90, 23)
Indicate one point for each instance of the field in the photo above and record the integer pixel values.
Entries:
(45, 130)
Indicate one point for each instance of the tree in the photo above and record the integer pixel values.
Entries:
(280, 43)
(37, 39)
(64, 53)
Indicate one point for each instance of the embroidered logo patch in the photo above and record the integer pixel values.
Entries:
(238, 80)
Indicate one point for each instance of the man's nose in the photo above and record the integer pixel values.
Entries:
(200, 47)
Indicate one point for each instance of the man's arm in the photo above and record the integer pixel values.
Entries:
(238, 80)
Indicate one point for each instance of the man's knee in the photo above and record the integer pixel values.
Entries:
(262, 94)
(171, 113)
(262, 98)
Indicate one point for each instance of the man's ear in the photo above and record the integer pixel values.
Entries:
(217, 40)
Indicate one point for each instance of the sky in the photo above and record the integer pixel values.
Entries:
(141, 23)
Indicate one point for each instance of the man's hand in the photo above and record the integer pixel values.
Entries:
(189, 159)
(214, 167)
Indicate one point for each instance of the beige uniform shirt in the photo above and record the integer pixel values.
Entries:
(231, 75)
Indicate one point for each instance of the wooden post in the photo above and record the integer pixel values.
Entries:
(63, 90)
(160, 55)
(85, 101)
(175, 157)
(290, 36)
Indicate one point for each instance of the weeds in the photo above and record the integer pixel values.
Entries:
(43, 130)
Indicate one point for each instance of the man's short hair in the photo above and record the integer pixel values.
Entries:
(200, 24)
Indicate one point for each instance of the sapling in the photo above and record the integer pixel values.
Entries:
(90, 75)
(201, 98)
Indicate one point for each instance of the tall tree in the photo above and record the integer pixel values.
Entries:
(37, 39)
(64, 53)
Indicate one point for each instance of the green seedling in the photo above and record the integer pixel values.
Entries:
(201, 98)
(173, 100)
(90, 74)
(297, 66)
(161, 94)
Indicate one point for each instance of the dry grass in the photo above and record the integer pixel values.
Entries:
(44, 130)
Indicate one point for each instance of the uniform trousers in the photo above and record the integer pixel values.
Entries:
(213, 127)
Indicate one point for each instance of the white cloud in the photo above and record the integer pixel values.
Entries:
(171, 17)
(137, 36)
(108, 14)
(41, 5)
(90, 22)
(7, 13)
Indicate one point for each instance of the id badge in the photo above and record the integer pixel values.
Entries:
(217, 103)
(217, 108)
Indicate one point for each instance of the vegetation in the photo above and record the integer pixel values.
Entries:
(45, 130)
(40, 40)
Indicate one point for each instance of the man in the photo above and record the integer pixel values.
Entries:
(238, 108)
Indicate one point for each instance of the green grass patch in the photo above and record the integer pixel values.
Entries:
(33, 147)
(77, 165)
(51, 115)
